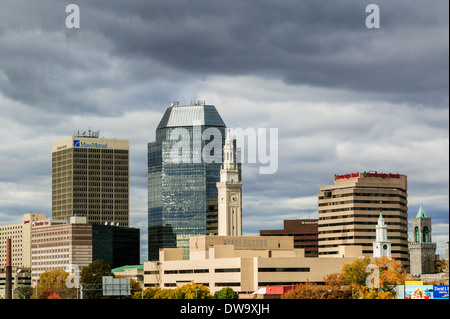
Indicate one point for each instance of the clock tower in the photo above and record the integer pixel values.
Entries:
(229, 191)
(381, 246)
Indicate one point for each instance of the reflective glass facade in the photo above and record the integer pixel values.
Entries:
(179, 192)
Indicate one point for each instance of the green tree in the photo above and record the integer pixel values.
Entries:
(53, 282)
(307, 290)
(25, 292)
(93, 274)
(355, 273)
(192, 291)
(388, 273)
(225, 293)
(53, 279)
(164, 294)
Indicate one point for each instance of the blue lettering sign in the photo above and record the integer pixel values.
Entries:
(440, 292)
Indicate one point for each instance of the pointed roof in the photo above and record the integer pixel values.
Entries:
(381, 216)
(421, 213)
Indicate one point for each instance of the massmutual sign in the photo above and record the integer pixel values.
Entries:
(78, 143)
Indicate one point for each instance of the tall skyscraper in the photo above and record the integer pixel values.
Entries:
(90, 177)
(349, 212)
(183, 169)
(229, 193)
(422, 250)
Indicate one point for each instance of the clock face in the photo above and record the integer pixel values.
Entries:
(384, 247)
(233, 199)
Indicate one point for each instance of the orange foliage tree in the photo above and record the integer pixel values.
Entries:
(355, 281)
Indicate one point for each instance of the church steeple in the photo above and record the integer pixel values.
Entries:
(421, 213)
(422, 250)
(381, 246)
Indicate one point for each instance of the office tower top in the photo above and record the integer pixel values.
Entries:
(183, 169)
(90, 177)
(349, 211)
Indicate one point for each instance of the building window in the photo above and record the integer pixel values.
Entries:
(227, 284)
(227, 270)
(416, 234)
(283, 269)
(426, 236)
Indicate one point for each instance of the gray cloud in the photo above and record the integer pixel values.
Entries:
(343, 97)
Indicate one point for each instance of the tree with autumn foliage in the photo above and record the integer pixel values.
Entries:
(192, 291)
(364, 278)
(311, 290)
(391, 274)
(52, 285)
(373, 278)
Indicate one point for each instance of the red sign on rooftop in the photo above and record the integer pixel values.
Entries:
(367, 174)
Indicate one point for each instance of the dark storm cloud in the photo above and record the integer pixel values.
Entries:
(344, 97)
(124, 43)
(315, 42)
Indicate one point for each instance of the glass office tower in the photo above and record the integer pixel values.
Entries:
(181, 183)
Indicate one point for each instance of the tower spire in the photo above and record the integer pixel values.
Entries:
(229, 191)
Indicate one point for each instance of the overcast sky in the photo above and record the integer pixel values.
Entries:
(345, 98)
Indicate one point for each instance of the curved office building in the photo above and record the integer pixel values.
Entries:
(183, 169)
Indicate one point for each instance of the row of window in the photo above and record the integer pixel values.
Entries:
(385, 216)
(98, 178)
(356, 230)
(97, 186)
(227, 270)
(362, 202)
(84, 190)
(360, 223)
(358, 237)
(329, 194)
(347, 209)
(119, 172)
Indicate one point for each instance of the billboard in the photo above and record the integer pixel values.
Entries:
(440, 292)
(422, 292)
(116, 286)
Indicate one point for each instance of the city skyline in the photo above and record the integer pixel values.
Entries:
(345, 98)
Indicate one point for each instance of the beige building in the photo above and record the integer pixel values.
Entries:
(90, 177)
(20, 278)
(57, 244)
(20, 235)
(349, 211)
(244, 263)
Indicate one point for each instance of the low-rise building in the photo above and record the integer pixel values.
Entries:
(74, 243)
(20, 235)
(59, 245)
(304, 231)
(244, 263)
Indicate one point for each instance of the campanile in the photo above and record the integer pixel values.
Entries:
(229, 193)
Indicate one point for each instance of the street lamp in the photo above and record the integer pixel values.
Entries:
(321, 297)
(197, 290)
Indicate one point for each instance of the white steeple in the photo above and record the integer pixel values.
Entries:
(381, 246)
(228, 152)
